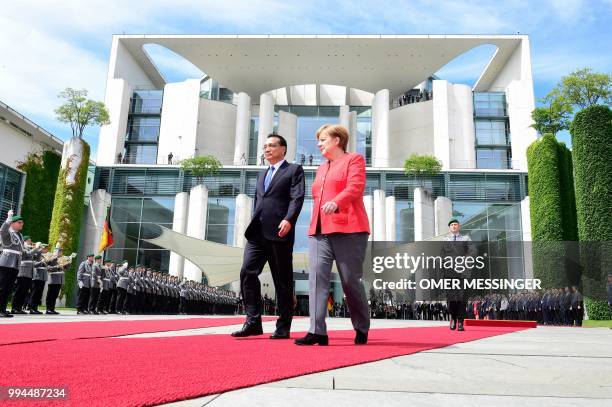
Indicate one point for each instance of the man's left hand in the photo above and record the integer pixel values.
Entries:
(283, 228)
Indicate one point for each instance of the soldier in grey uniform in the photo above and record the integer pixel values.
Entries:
(461, 246)
(24, 277)
(39, 278)
(10, 259)
(104, 298)
(123, 283)
(113, 289)
(56, 279)
(95, 284)
(84, 282)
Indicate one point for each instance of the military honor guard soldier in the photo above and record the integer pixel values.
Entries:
(10, 259)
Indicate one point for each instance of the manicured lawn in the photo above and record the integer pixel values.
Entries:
(597, 324)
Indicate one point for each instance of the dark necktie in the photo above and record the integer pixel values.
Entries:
(268, 178)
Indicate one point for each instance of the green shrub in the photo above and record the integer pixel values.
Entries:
(597, 309)
(41, 180)
(592, 150)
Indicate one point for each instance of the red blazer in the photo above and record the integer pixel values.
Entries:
(342, 181)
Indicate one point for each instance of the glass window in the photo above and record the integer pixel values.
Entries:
(147, 101)
(155, 259)
(158, 210)
(141, 154)
(491, 132)
(301, 227)
(220, 221)
(404, 220)
(492, 158)
(126, 210)
(143, 129)
(126, 235)
(505, 217)
(471, 215)
(490, 104)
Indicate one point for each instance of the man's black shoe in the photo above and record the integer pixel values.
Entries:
(35, 312)
(453, 324)
(361, 338)
(460, 326)
(249, 329)
(280, 335)
(5, 315)
(312, 339)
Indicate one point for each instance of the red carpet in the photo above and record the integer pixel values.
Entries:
(501, 322)
(47, 331)
(150, 371)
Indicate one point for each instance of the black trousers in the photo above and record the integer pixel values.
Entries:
(21, 292)
(83, 301)
(279, 256)
(36, 292)
(456, 310)
(113, 301)
(103, 300)
(7, 282)
(94, 293)
(52, 293)
(121, 299)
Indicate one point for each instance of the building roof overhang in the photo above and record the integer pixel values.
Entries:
(255, 64)
(28, 127)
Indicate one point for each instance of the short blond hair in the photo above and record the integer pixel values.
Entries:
(337, 131)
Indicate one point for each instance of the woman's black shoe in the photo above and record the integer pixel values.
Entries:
(361, 338)
(312, 339)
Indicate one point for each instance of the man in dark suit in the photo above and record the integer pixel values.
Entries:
(270, 236)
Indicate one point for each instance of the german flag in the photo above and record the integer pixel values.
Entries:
(107, 234)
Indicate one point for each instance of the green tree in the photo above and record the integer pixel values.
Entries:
(201, 166)
(551, 118)
(80, 112)
(420, 166)
(583, 88)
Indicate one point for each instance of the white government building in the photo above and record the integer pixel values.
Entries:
(383, 88)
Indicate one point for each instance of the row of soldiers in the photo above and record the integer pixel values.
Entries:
(108, 287)
(26, 268)
(555, 306)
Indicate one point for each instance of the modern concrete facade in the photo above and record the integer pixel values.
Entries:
(19, 137)
(382, 88)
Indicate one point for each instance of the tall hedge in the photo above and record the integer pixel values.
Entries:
(68, 210)
(41, 171)
(568, 206)
(591, 132)
(546, 211)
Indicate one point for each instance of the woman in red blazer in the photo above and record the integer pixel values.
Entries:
(339, 230)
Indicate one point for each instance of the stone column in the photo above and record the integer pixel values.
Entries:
(390, 218)
(380, 221)
(266, 121)
(243, 127)
(287, 127)
(179, 224)
(368, 202)
(99, 201)
(242, 218)
(423, 214)
(443, 208)
(380, 129)
(196, 226)
(526, 229)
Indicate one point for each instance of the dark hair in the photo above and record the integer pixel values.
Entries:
(281, 141)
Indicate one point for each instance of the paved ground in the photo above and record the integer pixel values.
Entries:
(547, 366)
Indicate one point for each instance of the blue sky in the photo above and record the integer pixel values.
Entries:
(47, 46)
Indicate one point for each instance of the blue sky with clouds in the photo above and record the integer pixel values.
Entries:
(47, 46)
